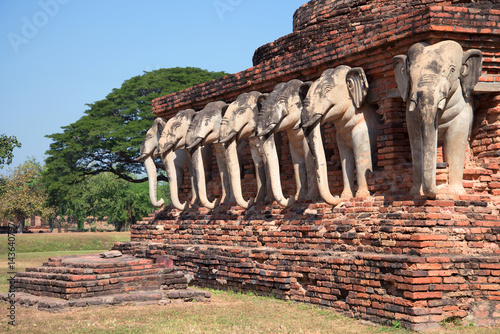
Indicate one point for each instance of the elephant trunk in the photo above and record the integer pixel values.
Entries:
(269, 148)
(172, 182)
(429, 131)
(199, 169)
(152, 178)
(233, 167)
(316, 145)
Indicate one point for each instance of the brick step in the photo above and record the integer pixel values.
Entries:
(75, 277)
(87, 274)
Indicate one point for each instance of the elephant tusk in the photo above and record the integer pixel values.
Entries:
(141, 158)
(230, 136)
(311, 121)
(267, 130)
(194, 144)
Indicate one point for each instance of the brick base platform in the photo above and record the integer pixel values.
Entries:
(90, 280)
(408, 259)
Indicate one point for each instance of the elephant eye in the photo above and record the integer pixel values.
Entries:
(452, 70)
(240, 111)
(327, 89)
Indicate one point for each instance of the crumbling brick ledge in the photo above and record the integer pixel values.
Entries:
(69, 282)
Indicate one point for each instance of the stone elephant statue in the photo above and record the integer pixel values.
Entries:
(338, 96)
(437, 82)
(204, 130)
(174, 160)
(281, 112)
(175, 157)
(239, 122)
(148, 153)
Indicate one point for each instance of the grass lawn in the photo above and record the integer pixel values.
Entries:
(47, 242)
(228, 312)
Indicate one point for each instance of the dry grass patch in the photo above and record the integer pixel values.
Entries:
(227, 313)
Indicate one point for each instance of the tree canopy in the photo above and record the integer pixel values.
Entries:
(7, 146)
(108, 137)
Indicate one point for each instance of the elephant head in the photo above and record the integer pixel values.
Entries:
(338, 97)
(240, 121)
(204, 130)
(174, 135)
(149, 152)
(281, 111)
(437, 82)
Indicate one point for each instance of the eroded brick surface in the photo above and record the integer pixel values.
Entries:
(90, 280)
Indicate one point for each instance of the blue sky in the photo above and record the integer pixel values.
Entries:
(58, 55)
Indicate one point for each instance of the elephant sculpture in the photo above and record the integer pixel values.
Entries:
(437, 82)
(281, 111)
(148, 153)
(174, 160)
(172, 148)
(204, 130)
(239, 122)
(338, 96)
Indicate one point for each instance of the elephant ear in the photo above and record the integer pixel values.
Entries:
(402, 76)
(303, 89)
(472, 65)
(156, 131)
(260, 101)
(224, 109)
(357, 85)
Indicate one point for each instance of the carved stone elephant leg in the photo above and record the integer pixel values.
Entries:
(227, 194)
(299, 166)
(312, 186)
(455, 146)
(263, 181)
(195, 198)
(415, 136)
(348, 164)
(362, 157)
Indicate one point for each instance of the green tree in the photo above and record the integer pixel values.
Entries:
(7, 146)
(118, 201)
(23, 194)
(109, 136)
